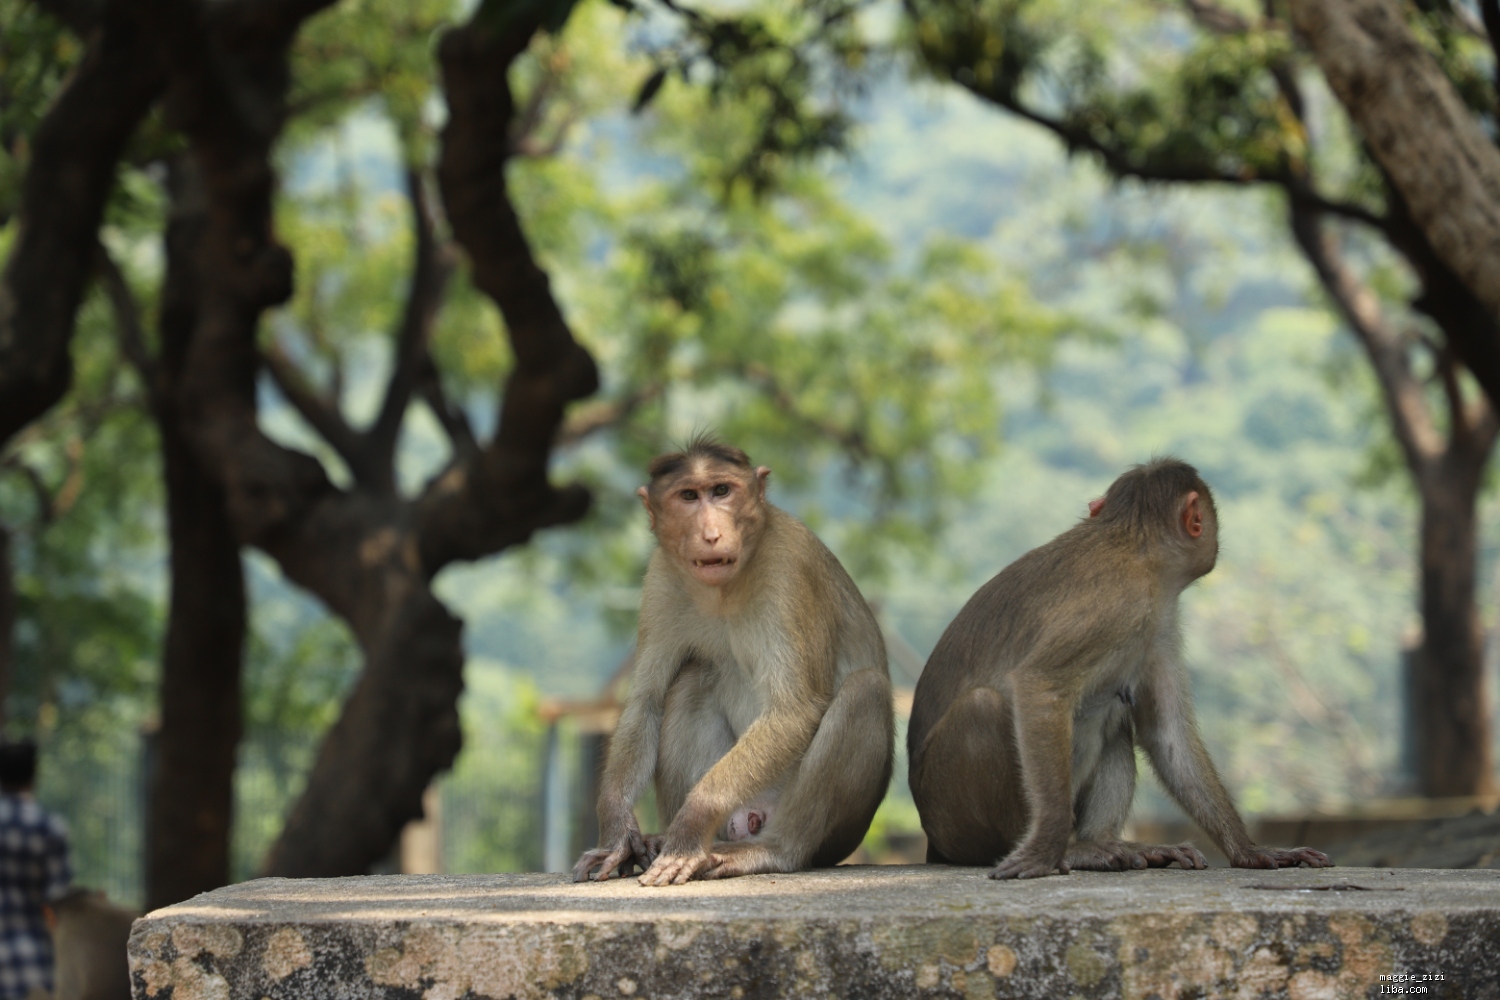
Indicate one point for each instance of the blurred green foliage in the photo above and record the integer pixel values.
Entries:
(867, 327)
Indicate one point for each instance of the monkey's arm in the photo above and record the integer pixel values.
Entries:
(1043, 720)
(630, 763)
(774, 742)
(1168, 730)
(771, 745)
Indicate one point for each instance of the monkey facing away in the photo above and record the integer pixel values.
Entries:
(1025, 720)
(760, 702)
(89, 941)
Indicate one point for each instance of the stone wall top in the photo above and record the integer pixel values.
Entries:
(868, 932)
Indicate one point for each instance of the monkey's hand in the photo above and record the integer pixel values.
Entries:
(1273, 857)
(1030, 862)
(628, 853)
(741, 858)
(1121, 855)
(677, 866)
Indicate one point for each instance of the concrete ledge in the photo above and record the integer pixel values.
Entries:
(855, 932)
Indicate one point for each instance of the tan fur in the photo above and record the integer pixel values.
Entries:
(1025, 721)
(89, 943)
(759, 682)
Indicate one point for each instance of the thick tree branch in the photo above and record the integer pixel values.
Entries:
(431, 269)
(502, 495)
(74, 153)
(1122, 163)
(606, 414)
(1411, 421)
(1216, 19)
(81, 16)
(1490, 11)
(1421, 133)
(271, 24)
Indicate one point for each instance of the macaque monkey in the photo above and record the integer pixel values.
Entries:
(89, 938)
(760, 702)
(1025, 721)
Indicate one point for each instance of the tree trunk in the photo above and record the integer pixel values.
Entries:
(7, 627)
(1425, 139)
(1449, 702)
(74, 153)
(399, 728)
(189, 825)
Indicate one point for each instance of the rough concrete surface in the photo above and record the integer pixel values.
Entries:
(854, 932)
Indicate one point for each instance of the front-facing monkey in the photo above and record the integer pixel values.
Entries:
(1025, 720)
(760, 697)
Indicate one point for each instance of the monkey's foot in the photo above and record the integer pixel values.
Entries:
(1024, 863)
(1122, 855)
(1275, 857)
(677, 868)
(737, 858)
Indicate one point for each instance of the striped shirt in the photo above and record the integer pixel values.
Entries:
(34, 871)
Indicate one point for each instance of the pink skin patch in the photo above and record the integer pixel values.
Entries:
(746, 823)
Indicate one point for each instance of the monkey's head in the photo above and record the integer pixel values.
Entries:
(707, 506)
(1166, 503)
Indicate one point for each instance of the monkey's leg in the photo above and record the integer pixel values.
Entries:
(830, 798)
(694, 735)
(968, 785)
(1102, 807)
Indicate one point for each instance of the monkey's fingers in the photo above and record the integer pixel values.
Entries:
(619, 862)
(588, 861)
(675, 869)
(1166, 855)
(1302, 856)
(1027, 867)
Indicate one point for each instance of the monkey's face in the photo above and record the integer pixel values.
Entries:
(708, 517)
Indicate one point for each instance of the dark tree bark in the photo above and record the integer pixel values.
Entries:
(369, 554)
(74, 154)
(7, 625)
(1429, 144)
(1449, 704)
(192, 796)
(1450, 707)
(190, 810)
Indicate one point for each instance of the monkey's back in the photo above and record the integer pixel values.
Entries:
(1045, 605)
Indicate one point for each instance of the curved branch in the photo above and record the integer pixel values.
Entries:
(1420, 132)
(502, 495)
(431, 270)
(74, 154)
(1411, 421)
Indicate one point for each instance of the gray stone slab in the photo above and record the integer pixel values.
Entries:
(852, 932)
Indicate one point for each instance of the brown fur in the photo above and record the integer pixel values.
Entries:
(760, 682)
(1025, 721)
(89, 942)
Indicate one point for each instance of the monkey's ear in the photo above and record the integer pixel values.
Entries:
(1095, 506)
(645, 496)
(762, 472)
(1192, 516)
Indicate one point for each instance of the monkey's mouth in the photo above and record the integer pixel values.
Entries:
(714, 570)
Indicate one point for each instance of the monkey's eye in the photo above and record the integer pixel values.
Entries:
(721, 490)
(689, 495)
